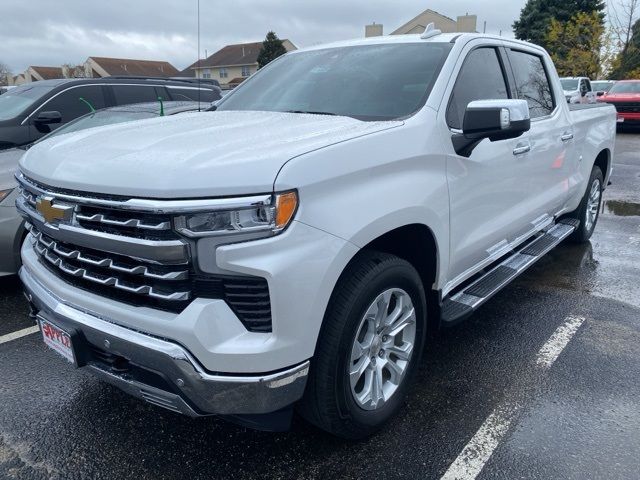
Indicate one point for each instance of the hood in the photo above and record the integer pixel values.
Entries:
(622, 97)
(189, 155)
(8, 166)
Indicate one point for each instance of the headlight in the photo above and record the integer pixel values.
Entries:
(4, 194)
(270, 218)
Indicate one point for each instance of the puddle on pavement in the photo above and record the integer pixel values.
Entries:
(622, 209)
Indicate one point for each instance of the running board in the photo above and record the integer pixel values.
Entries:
(462, 304)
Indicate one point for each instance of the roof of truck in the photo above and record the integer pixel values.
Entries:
(396, 39)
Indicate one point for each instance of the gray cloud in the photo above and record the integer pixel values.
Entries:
(45, 32)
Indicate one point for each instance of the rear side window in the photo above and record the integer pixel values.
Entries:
(72, 103)
(187, 94)
(532, 82)
(481, 78)
(128, 94)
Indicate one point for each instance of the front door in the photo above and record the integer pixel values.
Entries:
(490, 192)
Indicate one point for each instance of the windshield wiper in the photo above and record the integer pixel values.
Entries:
(312, 113)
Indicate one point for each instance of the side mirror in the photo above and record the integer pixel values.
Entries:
(48, 118)
(600, 93)
(492, 119)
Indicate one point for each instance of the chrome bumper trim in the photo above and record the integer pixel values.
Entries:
(199, 392)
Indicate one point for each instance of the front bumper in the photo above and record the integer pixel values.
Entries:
(161, 372)
(628, 117)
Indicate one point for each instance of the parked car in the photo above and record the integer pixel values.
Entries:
(30, 111)
(625, 96)
(294, 246)
(12, 230)
(578, 90)
(602, 86)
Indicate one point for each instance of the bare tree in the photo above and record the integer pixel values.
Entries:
(73, 71)
(4, 74)
(622, 15)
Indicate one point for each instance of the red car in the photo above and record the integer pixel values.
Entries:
(625, 96)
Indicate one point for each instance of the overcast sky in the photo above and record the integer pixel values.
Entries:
(50, 33)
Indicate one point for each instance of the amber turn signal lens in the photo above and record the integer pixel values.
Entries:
(286, 204)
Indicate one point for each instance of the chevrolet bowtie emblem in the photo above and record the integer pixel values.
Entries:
(51, 212)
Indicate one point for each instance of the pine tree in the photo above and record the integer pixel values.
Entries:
(272, 48)
(576, 46)
(535, 17)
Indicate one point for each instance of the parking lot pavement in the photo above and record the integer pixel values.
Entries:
(540, 383)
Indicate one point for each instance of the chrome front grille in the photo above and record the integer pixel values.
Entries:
(100, 261)
(627, 107)
(120, 274)
(112, 221)
(127, 250)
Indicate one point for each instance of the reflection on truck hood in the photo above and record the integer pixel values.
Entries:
(189, 155)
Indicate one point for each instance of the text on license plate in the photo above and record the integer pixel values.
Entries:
(57, 339)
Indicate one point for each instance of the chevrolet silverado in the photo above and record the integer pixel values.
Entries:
(292, 248)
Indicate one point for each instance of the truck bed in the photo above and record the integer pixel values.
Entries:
(586, 106)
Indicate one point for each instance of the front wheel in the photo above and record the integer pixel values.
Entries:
(369, 347)
(588, 211)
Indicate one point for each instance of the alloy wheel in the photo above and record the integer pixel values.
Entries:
(382, 348)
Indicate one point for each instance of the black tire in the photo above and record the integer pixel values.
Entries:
(583, 233)
(328, 401)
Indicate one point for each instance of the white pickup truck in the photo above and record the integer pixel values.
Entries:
(294, 246)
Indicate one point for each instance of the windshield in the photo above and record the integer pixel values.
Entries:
(370, 82)
(601, 86)
(626, 87)
(99, 119)
(17, 100)
(569, 84)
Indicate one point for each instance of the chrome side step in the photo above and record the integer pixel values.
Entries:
(463, 303)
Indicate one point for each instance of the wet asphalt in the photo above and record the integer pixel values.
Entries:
(578, 419)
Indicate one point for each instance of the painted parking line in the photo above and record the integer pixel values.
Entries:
(476, 453)
(551, 350)
(19, 334)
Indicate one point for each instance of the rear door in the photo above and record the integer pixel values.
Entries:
(488, 191)
(131, 94)
(547, 168)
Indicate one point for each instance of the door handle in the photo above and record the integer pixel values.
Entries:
(522, 148)
(566, 137)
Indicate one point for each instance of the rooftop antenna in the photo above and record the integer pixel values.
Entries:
(198, 72)
(430, 31)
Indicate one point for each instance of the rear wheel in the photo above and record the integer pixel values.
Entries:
(369, 346)
(589, 210)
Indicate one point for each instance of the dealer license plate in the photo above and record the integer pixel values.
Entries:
(57, 339)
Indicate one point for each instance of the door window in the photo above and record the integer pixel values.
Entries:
(532, 82)
(481, 78)
(191, 94)
(128, 94)
(70, 105)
